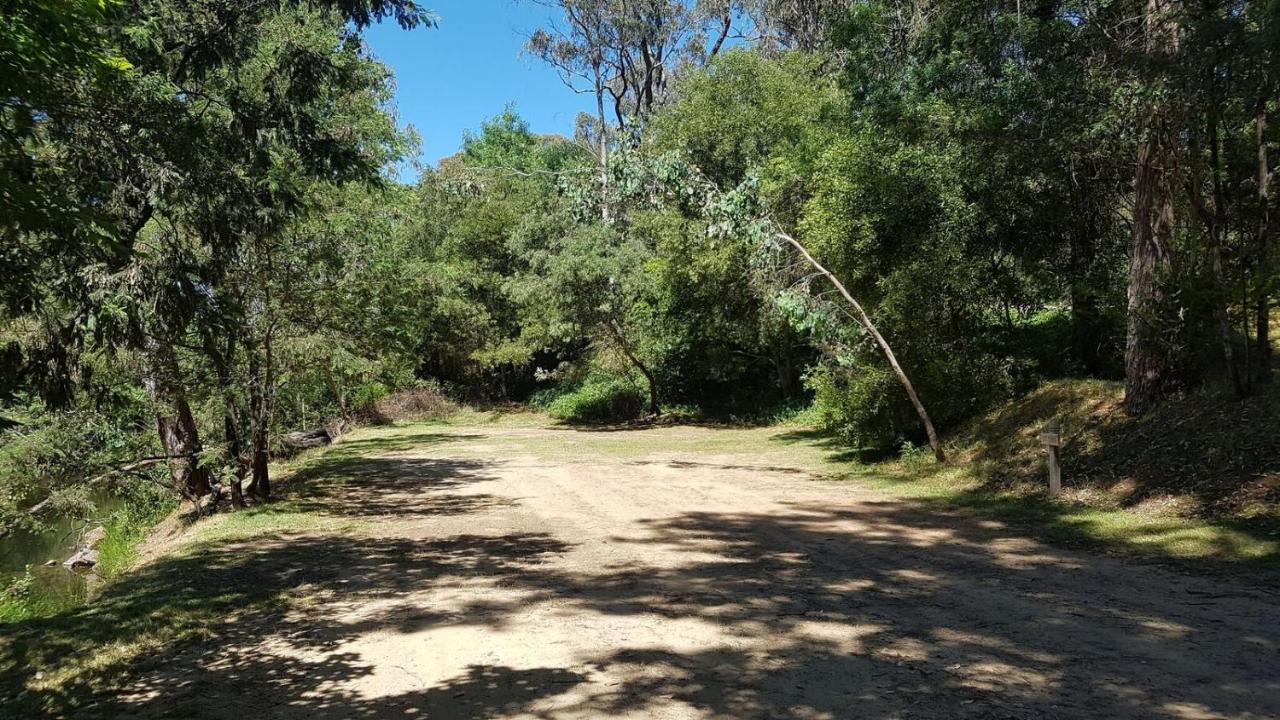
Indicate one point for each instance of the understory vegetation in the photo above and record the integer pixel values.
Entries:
(914, 225)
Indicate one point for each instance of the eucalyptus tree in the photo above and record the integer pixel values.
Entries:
(202, 142)
(626, 54)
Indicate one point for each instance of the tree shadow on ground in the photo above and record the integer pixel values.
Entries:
(386, 444)
(838, 450)
(154, 631)
(742, 467)
(879, 609)
(391, 487)
(889, 610)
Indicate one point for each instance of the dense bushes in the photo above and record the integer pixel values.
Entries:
(599, 398)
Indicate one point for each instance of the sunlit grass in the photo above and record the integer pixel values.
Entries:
(1220, 545)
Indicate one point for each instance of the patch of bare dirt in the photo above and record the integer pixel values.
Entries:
(502, 584)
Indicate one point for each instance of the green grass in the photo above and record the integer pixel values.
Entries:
(1214, 546)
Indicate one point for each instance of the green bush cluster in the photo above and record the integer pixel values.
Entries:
(597, 399)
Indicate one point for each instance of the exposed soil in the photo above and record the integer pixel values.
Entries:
(500, 581)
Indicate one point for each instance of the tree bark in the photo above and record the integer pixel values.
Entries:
(177, 429)
(605, 214)
(232, 427)
(260, 458)
(1148, 358)
(259, 416)
(883, 344)
(1262, 335)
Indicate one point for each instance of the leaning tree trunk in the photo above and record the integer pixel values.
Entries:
(655, 408)
(883, 344)
(175, 424)
(1148, 358)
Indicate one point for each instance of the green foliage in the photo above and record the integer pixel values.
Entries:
(599, 398)
(52, 453)
(141, 507)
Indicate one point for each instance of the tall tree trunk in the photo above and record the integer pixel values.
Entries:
(261, 380)
(605, 213)
(177, 429)
(1263, 263)
(1215, 222)
(865, 320)
(232, 427)
(784, 365)
(1148, 357)
(260, 457)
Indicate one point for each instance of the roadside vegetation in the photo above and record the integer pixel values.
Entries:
(880, 227)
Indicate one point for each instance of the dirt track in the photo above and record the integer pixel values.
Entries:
(498, 581)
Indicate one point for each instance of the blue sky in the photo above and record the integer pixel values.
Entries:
(451, 77)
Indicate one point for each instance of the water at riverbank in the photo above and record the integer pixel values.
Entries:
(33, 580)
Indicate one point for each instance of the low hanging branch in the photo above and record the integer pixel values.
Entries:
(47, 503)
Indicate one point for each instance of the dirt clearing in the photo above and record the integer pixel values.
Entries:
(509, 572)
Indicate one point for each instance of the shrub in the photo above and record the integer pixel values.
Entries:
(598, 399)
(425, 402)
(864, 404)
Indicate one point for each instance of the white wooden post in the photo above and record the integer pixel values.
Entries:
(1052, 439)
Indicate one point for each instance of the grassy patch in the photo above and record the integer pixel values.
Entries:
(1192, 483)
(1213, 545)
(260, 562)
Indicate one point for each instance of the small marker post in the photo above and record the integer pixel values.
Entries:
(1052, 439)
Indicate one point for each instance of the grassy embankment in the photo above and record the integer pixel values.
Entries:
(1195, 483)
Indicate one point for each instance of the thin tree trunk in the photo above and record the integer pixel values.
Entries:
(883, 344)
(605, 214)
(655, 408)
(260, 457)
(1148, 361)
(232, 427)
(1215, 221)
(1263, 301)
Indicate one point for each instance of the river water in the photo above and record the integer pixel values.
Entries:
(60, 537)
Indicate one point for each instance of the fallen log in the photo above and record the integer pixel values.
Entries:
(304, 439)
